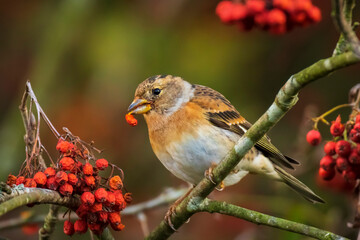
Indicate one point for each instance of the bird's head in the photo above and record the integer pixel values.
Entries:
(162, 94)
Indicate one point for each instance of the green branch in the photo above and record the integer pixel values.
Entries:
(21, 196)
(342, 15)
(263, 219)
(49, 222)
(284, 101)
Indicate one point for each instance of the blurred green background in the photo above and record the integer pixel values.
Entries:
(85, 59)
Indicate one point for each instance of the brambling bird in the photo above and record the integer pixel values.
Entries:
(192, 127)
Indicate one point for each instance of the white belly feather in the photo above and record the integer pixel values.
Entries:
(189, 159)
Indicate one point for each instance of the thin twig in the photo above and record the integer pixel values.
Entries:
(39, 109)
(143, 223)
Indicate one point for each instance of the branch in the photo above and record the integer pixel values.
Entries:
(284, 101)
(168, 196)
(50, 221)
(21, 196)
(263, 219)
(342, 15)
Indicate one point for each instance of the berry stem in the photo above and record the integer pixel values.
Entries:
(322, 116)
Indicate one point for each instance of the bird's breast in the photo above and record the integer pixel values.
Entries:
(189, 148)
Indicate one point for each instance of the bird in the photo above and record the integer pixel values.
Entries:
(193, 127)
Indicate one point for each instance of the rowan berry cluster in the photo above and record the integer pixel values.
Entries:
(342, 153)
(101, 198)
(274, 16)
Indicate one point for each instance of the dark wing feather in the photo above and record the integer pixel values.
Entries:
(222, 114)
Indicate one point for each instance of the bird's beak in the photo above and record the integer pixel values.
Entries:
(139, 106)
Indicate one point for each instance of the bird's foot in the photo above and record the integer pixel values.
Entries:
(209, 175)
(172, 210)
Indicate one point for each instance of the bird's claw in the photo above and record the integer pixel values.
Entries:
(169, 214)
(208, 174)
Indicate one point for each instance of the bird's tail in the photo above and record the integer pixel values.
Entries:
(298, 186)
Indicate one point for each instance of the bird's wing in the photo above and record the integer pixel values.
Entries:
(222, 114)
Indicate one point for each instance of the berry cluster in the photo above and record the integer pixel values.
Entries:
(275, 16)
(342, 154)
(102, 199)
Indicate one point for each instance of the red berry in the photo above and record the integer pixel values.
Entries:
(20, 180)
(68, 228)
(343, 148)
(80, 226)
(327, 175)
(100, 195)
(97, 207)
(314, 14)
(358, 148)
(354, 135)
(276, 17)
(40, 178)
(82, 211)
(96, 228)
(30, 228)
(87, 198)
(66, 163)
(354, 157)
(329, 148)
(119, 200)
(61, 177)
(357, 119)
(118, 227)
(51, 183)
(337, 128)
(110, 200)
(114, 218)
(313, 137)
(224, 11)
(11, 180)
(349, 175)
(103, 216)
(357, 126)
(239, 12)
(255, 6)
(72, 179)
(50, 172)
(64, 146)
(30, 183)
(286, 5)
(88, 169)
(66, 189)
(89, 181)
(327, 163)
(342, 164)
(102, 164)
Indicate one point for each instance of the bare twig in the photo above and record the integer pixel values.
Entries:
(143, 223)
(170, 195)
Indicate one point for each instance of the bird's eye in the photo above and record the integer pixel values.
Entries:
(156, 91)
